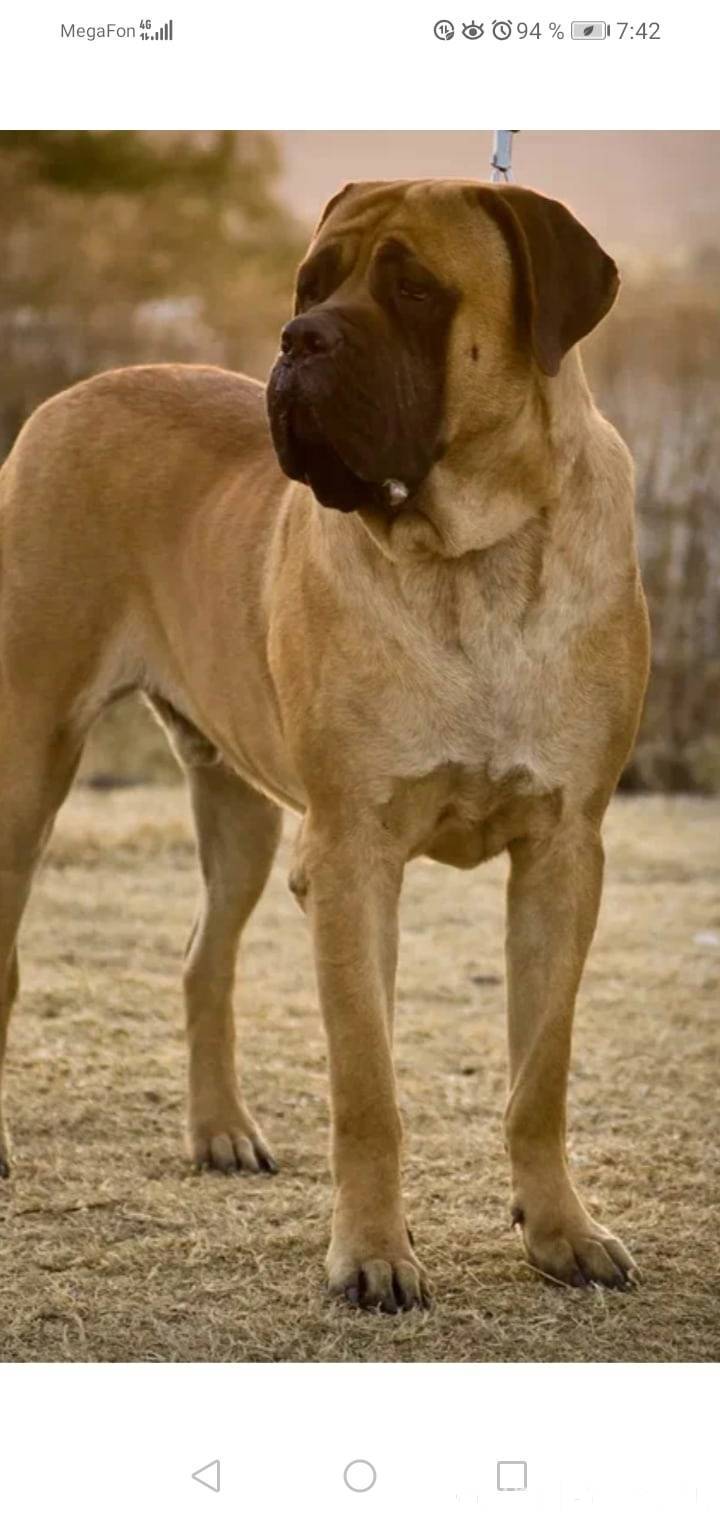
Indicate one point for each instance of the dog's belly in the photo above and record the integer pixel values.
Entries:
(255, 750)
(272, 774)
(228, 720)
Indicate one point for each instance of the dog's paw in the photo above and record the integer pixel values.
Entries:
(392, 1282)
(230, 1143)
(574, 1250)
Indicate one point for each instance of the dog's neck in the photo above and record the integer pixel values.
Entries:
(491, 483)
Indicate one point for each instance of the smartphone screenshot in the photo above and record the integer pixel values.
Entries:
(359, 761)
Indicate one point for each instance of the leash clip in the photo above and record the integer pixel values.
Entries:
(501, 161)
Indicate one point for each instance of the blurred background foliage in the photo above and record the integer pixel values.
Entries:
(130, 247)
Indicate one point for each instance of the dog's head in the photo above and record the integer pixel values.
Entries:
(421, 310)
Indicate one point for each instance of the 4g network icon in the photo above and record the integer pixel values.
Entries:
(163, 33)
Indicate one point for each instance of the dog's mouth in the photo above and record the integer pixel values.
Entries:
(318, 464)
(306, 453)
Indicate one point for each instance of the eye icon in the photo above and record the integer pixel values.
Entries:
(473, 29)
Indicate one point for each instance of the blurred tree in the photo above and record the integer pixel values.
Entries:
(655, 368)
(706, 265)
(132, 247)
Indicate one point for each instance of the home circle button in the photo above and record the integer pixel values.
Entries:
(360, 1476)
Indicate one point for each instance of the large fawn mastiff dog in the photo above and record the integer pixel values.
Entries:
(408, 609)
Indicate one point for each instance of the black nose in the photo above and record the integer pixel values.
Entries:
(309, 337)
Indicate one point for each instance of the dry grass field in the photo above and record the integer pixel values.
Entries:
(111, 1248)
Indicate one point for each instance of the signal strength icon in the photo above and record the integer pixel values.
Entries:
(163, 34)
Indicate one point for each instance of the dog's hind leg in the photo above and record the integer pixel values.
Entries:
(37, 765)
(238, 831)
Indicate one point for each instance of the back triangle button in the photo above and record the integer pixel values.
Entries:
(209, 1476)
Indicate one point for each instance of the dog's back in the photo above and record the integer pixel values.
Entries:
(83, 444)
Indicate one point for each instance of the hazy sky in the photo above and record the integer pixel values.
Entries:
(656, 192)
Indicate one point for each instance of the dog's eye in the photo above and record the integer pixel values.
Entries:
(412, 290)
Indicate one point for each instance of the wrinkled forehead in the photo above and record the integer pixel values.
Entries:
(440, 222)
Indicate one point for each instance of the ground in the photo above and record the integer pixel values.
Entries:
(111, 1248)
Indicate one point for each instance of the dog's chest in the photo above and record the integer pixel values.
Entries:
(487, 709)
(474, 744)
(478, 670)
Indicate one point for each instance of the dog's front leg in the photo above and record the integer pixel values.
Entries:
(348, 878)
(553, 900)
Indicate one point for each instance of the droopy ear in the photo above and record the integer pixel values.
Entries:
(568, 283)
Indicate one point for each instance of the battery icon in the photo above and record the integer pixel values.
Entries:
(588, 31)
